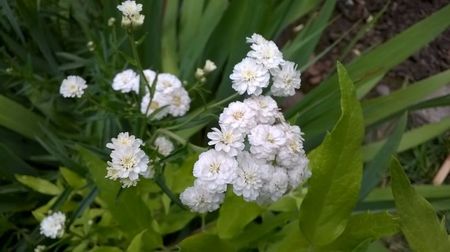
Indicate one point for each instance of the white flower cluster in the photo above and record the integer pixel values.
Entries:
(253, 73)
(170, 97)
(53, 225)
(163, 145)
(72, 86)
(255, 150)
(131, 14)
(129, 161)
(201, 73)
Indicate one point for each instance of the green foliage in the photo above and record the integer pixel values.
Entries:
(418, 220)
(334, 185)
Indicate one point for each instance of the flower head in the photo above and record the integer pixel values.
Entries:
(124, 140)
(53, 225)
(249, 76)
(163, 145)
(286, 79)
(238, 115)
(265, 108)
(228, 140)
(159, 101)
(264, 52)
(209, 66)
(126, 81)
(200, 199)
(266, 140)
(179, 102)
(131, 14)
(72, 86)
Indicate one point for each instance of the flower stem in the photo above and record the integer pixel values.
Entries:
(159, 180)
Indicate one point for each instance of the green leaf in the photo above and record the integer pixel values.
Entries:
(39, 185)
(418, 220)
(363, 228)
(147, 240)
(292, 239)
(376, 169)
(19, 119)
(105, 249)
(12, 164)
(336, 172)
(234, 215)
(205, 242)
(73, 179)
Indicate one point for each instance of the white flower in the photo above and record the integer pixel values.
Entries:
(167, 83)
(126, 81)
(285, 79)
(216, 169)
(266, 140)
(111, 21)
(251, 175)
(200, 199)
(275, 187)
(265, 108)
(40, 248)
(239, 116)
(124, 140)
(53, 225)
(163, 145)
(128, 161)
(292, 153)
(159, 100)
(249, 76)
(150, 76)
(179, 102)
(200, 74)
(264, 52)
(228, 140)
(131, 15)
(72, 86)
(209, 66)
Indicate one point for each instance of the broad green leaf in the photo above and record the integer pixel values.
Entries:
(234, 215)
(363, 228)
(205, 242)
(292, 239)
(39, 185)
(73, 179)
(410, 138)
(19, 119)
(336, 167)
(179, 177)
(385, 106)
(169, 54)
(147, 240)
(418, 220)
(176, 219)
(105, 249)
(377, 168)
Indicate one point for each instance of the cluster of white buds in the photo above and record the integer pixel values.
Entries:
(201, 73)
(131, 14)
(72, 86)
(255, 150)
(53, 225)
(128, 160)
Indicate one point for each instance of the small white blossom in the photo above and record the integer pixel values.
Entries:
(251, 175)
(200, 199)
(111, 21)
(159, 100)
(72, 86)
(40, 248)
(53, 225)
(209, 66)
(239, 116)
(292, 153)
(150, 76)
(215, 169)
(128, 161)
(285, 79)
(266, 140)
(228, 140)
(249, 76)
(299, 173)
(264, 52)
(179, 102)
(167, 83)
(265, 108)
(200, 74)
(131, 16)
(126, 81)
(163, 145)
(275, 187)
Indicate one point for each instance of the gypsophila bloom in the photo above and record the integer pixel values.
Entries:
(200, 75)
(163, 145)
(209, 66)
(178, 101)
(128, 161)
(275, 187)
(285, 79)
(238, 116)
(131, 14)
(228, 140)
(265, 52)
(292, 153)
(215, 169)
(40, 248)
(249, 77)
(266, 140)
(167, 83)
(251, 174)
(265, 108)
(200, 199)
(150, 76)
(159, 101)
(126, 81)
(72, 86)
(300, 173)
(53, 225)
